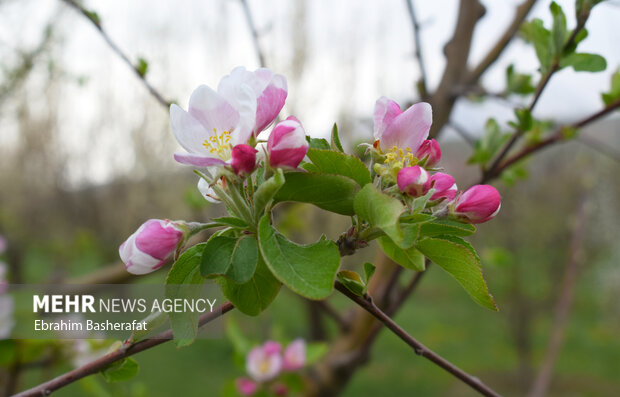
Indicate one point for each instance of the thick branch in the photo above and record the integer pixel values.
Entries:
(417, 347)
(140, 74)
(47, 388)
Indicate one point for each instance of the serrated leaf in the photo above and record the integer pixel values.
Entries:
(254, 296)
(352, 281)
(232, 257)
(458, 258)
(185, 281)
(380, 210)
(447, 227)
(335, 143)
(121, 371)
(409, 258)
(266, 192)
(331, 162)
(333, 193)
(308, 270)
(584, 62)
(318, 143)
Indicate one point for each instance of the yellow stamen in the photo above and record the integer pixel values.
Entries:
(219, 144)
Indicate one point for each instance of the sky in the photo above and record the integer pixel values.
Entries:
(354, 51)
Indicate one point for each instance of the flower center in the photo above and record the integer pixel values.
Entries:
(218, 144)
(399, 155)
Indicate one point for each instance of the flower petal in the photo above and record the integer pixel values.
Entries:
(212, 110)
(198, 160)
(409, 129)
(271, 101)
(385, 111)
(188, 131)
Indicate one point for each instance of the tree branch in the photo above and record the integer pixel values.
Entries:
(45, 389)
(140, 74)
(521, 13)
(421, 350)
(557, 136)
(562, 309)
(254, 32)
(423, 87)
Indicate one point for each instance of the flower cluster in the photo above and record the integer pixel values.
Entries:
(404, 156)
(265, 363)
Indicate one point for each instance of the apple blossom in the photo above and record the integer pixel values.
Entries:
(264, 363)
(151, 246)
(246, 386)
(444, 185)
(430, 151)
(287, 144)
(411, 180)
(217, 121)
(395, 129)
(480, 203)
(243, 159)
(294, 357)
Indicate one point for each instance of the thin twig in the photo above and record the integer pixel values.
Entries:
(418, 48)
(93, 367)
(140, 74)
(557, 136)
(563, 307)
(417, 347)
(254, 32)
(521, 13)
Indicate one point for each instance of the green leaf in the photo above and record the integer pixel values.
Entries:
(93, 16)
(458, 258)
(352, 281)
(489, 144)
(525, 120)
(409, 258)
(380, 210)
(448, 227)
(318, 143)
(142, 67)
(333, 193)
(234, 258)
(518, 83)
(184, 281)
(369, 270)
(331, 162)
(254, 296)
(231, 221)
(584, 62)
(558, 29)
(308, 270)
(121, 371)
(535, 32)
(266, 192)
(335, 143)
(614, 91)
(419, 203)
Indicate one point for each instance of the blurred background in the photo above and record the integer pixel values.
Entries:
(86, 157)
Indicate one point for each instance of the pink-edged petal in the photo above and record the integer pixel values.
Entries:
(270, 102)
(212, 110)
(189, 132)
(158, 238)
(385, 111)
(409, 129)
(245, 102)
(198, 160)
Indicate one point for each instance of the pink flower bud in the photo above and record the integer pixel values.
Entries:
(243, 159)
(264, 363)
(151, 246)
(431, 151)
(246, 386)
(280, 389)
(287, 144)
(411, 180)
(478, 204)
(295, 355)
(444, 185)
